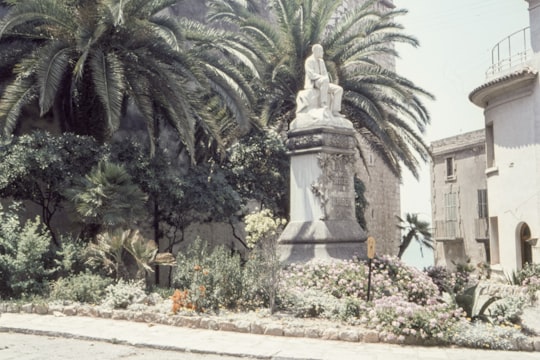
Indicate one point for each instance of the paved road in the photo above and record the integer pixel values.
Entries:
(15, 346)
(153, 341)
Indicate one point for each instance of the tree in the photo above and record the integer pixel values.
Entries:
(107, 198)
(89, 60)
(177, 197)
(258, 168)
(385, 108)
(38, 167)
(414, 229)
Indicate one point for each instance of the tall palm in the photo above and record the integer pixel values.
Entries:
(89, 59)
(384, 107)
(414, 229)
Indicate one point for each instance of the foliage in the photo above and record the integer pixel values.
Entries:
(124, 293)
(385, 108)
(508, 310)
(406, 302)
(475, 305)
(107, 197)
(262, 226)
(25, 255)
(349, 279)
(360, 202)
(84, 287)
(450, 282)
(528, 276)
(262, 272)
(259, 169)
(110, 250)
(177, 198)
(39, 166)
(211, 277)
(482, 335)
(397, 319)
(70, 256)
(414, 229)
(91, 59)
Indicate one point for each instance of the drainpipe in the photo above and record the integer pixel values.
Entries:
(534, 23)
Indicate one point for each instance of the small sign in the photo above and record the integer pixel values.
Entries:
(371, 247)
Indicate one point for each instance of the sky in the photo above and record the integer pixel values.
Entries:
(456, 38)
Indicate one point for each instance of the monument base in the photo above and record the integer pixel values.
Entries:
(305, 252)
(325, 240)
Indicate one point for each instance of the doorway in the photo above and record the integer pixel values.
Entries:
(526, 247)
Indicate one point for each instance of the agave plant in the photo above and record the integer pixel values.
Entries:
(110, 247)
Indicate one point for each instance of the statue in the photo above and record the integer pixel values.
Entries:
(317, 78)
(319, 103)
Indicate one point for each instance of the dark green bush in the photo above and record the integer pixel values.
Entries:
(213, 277)
(84, 287)
(25, 256)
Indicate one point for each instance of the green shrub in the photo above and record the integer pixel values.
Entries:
(25, 256)
(528, 276)
(70, 256)
(447, 281)
(263, 270)
(124, 293)
(508, 310)
(84, 287)
(482, 335)
(213, 278)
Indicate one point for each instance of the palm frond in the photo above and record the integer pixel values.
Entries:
(51, 69)
(29, 16)
(15, 97)
(108, 78)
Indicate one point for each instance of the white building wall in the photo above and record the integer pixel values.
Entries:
(513, 188)
(512, 114)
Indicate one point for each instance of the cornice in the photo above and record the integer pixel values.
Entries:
(514, 80)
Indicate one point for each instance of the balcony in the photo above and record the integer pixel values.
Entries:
(510, 53)
(447, 230)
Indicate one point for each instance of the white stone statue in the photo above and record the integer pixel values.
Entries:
(320, 101)
(317, 78)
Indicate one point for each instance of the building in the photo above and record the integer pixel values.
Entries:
(459, 199)
(510, 98)
(382, 186)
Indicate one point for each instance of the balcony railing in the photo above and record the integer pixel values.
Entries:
(510, 52)
(447, 229)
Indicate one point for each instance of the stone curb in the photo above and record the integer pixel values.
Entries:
(273, 328)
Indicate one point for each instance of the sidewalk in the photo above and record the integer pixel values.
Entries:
(232, 343)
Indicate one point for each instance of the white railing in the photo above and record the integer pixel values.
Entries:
(510, 52)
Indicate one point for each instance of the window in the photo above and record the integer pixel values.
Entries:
(450, 173)
(482, 204)
(450, 211)
(490, 146)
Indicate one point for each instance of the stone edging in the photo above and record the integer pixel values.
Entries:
(260, 326)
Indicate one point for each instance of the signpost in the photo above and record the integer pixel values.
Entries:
(371, 255)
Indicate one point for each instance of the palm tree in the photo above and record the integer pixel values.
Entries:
(414, 229)
(384, 107)
(85, 61)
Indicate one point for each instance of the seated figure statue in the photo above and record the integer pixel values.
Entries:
(318, 91)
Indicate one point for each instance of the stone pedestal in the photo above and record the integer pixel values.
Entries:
(322, 212)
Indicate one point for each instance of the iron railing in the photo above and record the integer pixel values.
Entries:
(510, 52)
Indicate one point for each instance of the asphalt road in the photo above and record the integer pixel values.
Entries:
(14, 346)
